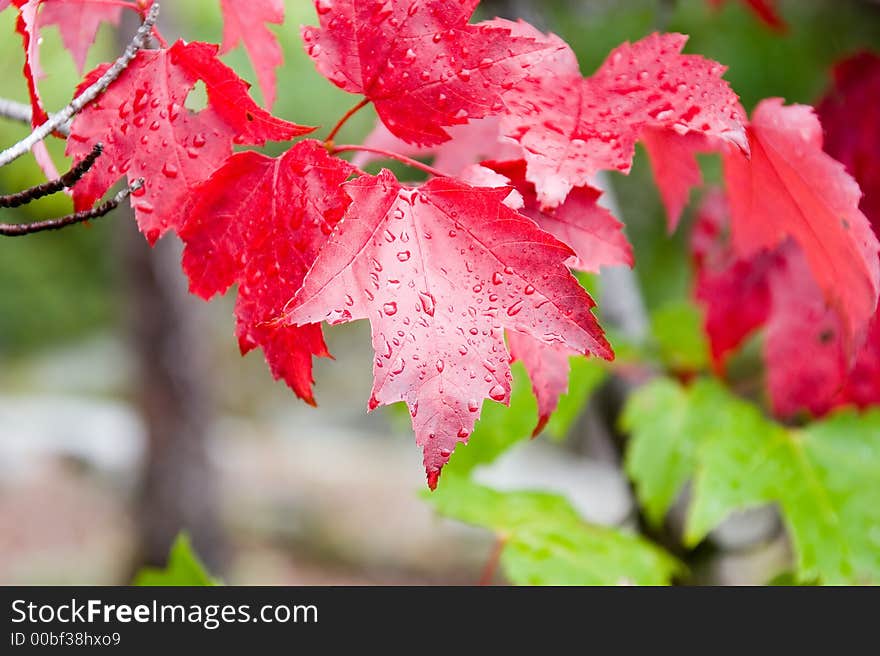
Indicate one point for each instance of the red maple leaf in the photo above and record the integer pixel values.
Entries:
(260, 222)
(245, 21)
(27, 26)
(441, 271)
(850, 115)
(598, 241)
(589, 229)
(421, 64)
(149, 133)
(790, 188)
(805, 346)
(674, 163)
(548, 369)
(735, 292)
(572, 127)
(78, 22)
(804, 352)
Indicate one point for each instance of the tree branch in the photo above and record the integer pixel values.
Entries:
(66, 181)
(22, 229)
(97, 88)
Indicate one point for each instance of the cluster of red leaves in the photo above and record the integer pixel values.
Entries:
(822, 343)
(446, 270)
(78, 22)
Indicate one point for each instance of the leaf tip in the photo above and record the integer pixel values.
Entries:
(433, 478)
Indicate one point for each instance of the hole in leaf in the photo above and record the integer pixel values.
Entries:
(197, 99)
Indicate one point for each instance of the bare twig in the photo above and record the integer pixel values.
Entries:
(21, 112)
(22, 229)
(66, 181)
(93, 91)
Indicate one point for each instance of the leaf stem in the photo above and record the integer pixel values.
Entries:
(492, 564)
(414, 163)
(351, 112)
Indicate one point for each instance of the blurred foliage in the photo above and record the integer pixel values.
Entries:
(183, 569)
(545, 542)
(678, 332)
(823, 477)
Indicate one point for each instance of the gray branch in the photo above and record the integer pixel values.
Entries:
(21, 112)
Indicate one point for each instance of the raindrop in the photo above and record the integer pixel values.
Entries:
(390, 308)
(428, 303)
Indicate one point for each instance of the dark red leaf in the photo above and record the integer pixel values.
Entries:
(734, 292)
(420, 62)
(791, 188)
(149, 133)
(260, 222)
(850, 115)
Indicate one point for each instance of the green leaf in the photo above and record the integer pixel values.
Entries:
(823, 477)
(545, 541)
(788, 579)
(661, 455)
(678, 330)
(184, 569)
